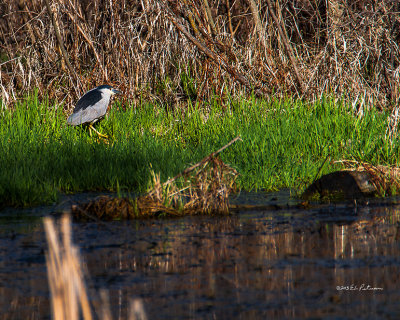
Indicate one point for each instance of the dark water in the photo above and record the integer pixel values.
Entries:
(277, 264)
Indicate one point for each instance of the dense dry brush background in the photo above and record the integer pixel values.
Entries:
(173, 51)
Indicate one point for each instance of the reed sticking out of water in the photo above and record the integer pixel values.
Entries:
(68, 291)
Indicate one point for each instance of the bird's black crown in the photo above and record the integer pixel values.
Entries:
(104, 86)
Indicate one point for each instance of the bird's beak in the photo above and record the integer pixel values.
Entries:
(115, 91)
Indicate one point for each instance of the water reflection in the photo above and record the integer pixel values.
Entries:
(277, 264)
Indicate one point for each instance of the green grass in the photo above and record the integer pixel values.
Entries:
(284, 145)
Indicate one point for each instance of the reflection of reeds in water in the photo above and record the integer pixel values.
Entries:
(276, 254)
(365, 240)
(365, 234)
(267, 260)
(69, 296)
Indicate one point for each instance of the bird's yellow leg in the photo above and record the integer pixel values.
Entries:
(98, 133)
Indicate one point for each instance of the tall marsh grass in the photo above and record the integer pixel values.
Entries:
(284, 144)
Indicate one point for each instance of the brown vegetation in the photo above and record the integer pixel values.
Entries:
(171, 51)
(203, 188)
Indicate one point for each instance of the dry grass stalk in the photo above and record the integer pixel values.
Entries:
(69, 299)
(385, 179)
(216, 58)
(287, 45)
(205, 191)
(136, 310)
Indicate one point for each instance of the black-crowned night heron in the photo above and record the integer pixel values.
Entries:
(92, 106)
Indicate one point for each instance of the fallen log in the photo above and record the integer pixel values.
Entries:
(358, 180)
(341, 185)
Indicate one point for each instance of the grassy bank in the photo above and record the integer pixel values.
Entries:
(284, 145)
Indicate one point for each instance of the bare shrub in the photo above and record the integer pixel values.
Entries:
(298, 47)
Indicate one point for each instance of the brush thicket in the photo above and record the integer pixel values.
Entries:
(172, 51)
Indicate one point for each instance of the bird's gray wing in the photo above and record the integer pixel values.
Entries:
(90, 98)
(90, 113)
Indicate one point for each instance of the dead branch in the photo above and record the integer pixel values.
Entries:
(228, 9)
(257, 21)
(212, 55)
(209, 16)
(90, 43)
(59, 38)
(288, 47)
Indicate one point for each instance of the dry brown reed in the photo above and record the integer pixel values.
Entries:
(149, 48)
(69, 298)
(203, 190)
